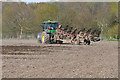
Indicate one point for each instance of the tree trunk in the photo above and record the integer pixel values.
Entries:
(21, 32)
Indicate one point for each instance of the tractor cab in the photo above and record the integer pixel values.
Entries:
(49, 26)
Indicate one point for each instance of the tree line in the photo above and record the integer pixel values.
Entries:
(21, 20)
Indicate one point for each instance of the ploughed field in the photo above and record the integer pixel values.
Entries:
(29, 59)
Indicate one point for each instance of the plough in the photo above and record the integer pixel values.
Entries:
(54, 33)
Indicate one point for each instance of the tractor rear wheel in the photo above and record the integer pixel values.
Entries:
(45, 38)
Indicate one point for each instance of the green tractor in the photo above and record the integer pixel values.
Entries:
(52, 32)
(48, 29)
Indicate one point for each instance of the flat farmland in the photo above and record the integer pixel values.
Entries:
(30, 59)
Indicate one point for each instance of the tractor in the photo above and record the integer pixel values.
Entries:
(48, 29)
(52, 32)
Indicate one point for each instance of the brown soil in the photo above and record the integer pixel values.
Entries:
(29, 59)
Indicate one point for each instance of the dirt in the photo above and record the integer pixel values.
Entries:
(29, 59)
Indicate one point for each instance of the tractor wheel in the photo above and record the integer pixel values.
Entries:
(45, 38)
(87, 42)
(39, 38)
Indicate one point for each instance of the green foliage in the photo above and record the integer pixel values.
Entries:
(114, 7)
(25, 19)
(113, 40)
(114, 32)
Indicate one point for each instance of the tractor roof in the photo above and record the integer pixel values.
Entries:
(50, 21)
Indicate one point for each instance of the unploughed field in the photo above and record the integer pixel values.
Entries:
(30, 59)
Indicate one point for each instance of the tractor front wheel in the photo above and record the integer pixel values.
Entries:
(45, 38)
